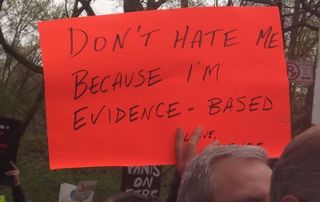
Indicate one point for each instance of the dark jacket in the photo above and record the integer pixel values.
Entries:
(174, 188)
(17, 194)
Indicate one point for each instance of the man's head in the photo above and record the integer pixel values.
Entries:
(296, 176)
(227, 173)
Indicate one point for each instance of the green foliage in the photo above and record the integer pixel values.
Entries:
(18, 85)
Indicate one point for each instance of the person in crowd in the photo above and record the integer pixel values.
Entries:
(17, 193)
(296, 176)
(10, 176)
(130, 197)
(221, 172)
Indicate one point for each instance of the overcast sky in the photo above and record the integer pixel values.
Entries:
(107, 6)
(102, 7)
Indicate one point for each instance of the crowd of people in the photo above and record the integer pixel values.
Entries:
(243, 173)
(234, 173)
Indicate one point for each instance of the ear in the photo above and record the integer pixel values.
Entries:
(289, 198)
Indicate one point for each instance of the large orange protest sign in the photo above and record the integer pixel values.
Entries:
(118, 86)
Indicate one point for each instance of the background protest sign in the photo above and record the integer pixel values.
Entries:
(10, 134)
(118, 86)
(144, 180)
(300, 71)
(81, 193)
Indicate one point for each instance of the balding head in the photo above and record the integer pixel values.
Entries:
(226, 173)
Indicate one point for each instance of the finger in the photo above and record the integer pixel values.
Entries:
(9, 173)
(12, 171)
(14, 166)
(179, 146)
(216, 142)
(192, 144)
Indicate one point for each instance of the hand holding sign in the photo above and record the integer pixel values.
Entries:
(185, 154)
(15, 173)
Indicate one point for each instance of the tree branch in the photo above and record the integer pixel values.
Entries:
(33, 109)
(87, 7)
(230, 3)
(154, 5)
(24, 61)
(269, 2)
(184, 3)
(132, 5)
(309, 9)
(301, 24)
(66, 7)
(75, 10)
(160, 2)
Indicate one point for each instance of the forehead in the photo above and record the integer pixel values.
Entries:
(240, 179)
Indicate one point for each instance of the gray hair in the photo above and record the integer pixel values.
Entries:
(298, 170)
(198, 181)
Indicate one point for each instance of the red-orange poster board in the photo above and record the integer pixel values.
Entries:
(118, 86)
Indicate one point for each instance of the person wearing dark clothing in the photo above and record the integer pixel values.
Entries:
(17, 193)
(174, 188)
